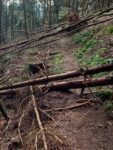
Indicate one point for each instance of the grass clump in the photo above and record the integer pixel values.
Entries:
(32, 51)
(26, 68)
(101, 50)
(85, 37)
(108, 106)
(5, 59)
(104, 94)
(57, 62)
(82, 38)
(108, 30)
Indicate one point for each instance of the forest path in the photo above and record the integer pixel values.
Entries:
(85, 128)
(65, 46)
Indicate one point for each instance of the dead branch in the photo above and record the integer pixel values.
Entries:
(8, 92)
(38, 118)
(70, 107)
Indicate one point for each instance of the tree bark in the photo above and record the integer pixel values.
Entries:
(70, 85)
(79, 84)
(1, 9)
(25, 19)
(68, 75)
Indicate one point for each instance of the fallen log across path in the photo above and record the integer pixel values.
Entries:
(45, 80)
(79, 84)
(59, 86)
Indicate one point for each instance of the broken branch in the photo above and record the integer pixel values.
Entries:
(38, 118)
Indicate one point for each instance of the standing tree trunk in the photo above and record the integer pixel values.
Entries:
(12, 21)
(1, 8)
(50, 14)
(25, 19)
(6, 22)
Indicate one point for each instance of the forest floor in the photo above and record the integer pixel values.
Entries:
(84, 128)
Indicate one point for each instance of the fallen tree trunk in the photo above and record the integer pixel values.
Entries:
(8, 92)
(69, 30)
(62, 86)
(79, 84)
(45, 80)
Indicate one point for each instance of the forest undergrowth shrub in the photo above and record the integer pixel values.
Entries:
(87, 55)
(104, 94)
(108, 106)
(6, 59)
(32, 51)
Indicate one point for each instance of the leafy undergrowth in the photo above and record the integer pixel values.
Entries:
(106, 95)
(92, 50)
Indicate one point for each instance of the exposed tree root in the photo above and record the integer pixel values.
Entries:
(84, 103)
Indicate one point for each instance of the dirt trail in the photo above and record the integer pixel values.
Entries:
(69, 61)
(85, 128)
(65, 47)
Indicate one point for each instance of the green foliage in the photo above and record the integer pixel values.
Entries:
(6, 59)
(110, 60)
(104, 94)
(89, 61)
(32, 51)
(101, 50)
(93, 61)
(82, 38)
(57, 62)
(108, 30)
(86, 55)
(85, 38)
(63, 13)
(90, 44)
(108, 107)
(26, 68)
